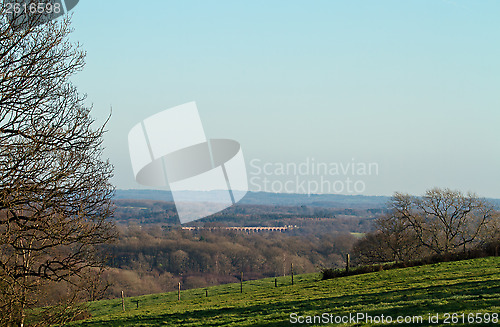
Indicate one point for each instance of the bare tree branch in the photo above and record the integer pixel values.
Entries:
(55, 194)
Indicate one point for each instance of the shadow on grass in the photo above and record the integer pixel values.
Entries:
(413, 301)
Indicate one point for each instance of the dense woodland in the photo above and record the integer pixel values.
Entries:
(151, 259)
(153, 253)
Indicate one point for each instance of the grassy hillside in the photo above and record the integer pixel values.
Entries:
(468, 287)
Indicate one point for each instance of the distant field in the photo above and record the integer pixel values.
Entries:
(464, 287)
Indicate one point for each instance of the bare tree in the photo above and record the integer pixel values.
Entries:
(372, 248)
(55, 194)
(440, 222)
(443, 220)
(399, 238)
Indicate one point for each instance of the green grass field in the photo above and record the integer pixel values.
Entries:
(463, 287)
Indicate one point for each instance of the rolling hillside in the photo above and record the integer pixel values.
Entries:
(470, 288)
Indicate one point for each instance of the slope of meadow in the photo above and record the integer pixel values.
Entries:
(470, 288)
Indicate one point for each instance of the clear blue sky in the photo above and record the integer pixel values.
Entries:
(411, 85)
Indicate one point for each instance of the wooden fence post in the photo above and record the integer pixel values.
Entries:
(123, 302)
(275, 282)
(348, 261)
(206, 293)
(179, 292)
(241, 283)
(291, 269)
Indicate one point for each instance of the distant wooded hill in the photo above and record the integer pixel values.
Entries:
(278, 199)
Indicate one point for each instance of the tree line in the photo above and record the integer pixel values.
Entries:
(147, 260)
(440, 223)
